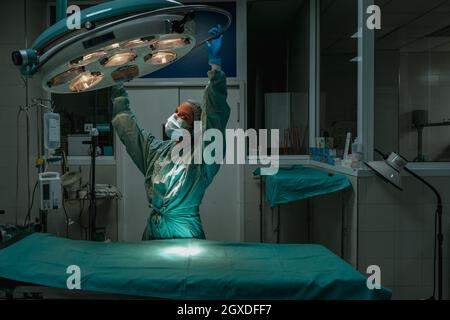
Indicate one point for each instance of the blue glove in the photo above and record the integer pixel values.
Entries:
(215, 46)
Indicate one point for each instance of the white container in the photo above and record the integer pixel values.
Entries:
(50, 191)
(52, 133)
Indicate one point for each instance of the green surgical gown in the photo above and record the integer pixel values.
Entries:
(174, 190)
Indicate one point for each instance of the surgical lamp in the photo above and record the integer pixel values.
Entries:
(116, 42)
(389, 169)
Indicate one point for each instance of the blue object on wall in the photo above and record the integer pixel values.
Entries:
(195, 64)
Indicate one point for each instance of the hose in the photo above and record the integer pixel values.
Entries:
(28, 159)
(17, 164)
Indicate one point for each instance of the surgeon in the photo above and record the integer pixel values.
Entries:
(175, 189)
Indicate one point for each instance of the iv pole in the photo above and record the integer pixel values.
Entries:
(93, 202)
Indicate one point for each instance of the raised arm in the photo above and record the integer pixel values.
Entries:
(216, 108)
(140, 144)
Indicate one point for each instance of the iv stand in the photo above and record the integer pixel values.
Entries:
(93, 202)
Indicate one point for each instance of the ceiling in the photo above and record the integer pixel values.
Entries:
(338, 23)
(407, 26)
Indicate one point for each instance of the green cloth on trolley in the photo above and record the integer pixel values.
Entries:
(298, 183)
(188, 269)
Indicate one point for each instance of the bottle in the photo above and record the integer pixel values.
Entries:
(356, 150)
(52, 139)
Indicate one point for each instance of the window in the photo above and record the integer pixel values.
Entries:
(338, 72)
(412, 87)
(278, 71)
(77, 117)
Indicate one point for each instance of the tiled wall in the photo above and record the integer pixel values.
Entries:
(396, 232)
(425, 84)
(405, 82)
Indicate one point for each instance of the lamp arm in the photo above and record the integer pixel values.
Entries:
(439, 235)
(438, 231)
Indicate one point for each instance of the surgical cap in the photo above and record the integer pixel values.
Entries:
(197, 109)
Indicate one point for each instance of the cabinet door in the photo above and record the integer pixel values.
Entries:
(220, 210)
(152, 107)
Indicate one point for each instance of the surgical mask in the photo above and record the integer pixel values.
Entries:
(173, 124)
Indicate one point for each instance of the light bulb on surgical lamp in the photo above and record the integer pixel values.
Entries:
(119, 59)
(157, 31)
(87, 59)
(112, 47)
(85, 81)
(136, 43)
(65, 77)
(170, 44)
(160, 58)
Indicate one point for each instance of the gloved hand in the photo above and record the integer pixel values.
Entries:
(215, 46)
(118, 91)
(119, 97)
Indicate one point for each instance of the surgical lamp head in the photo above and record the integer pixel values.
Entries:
(118, 41)
(390, 169)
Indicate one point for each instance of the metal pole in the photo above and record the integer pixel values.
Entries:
(61, 10)
(93, 204)
(308, 218)
(261, 215)
(279, 225)
(342, 225)
(439, 236)
(420, 156)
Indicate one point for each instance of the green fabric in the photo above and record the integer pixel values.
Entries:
(174, 190)
(165, 269)
(298, 183)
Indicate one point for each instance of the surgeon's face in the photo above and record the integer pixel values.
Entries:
(185, 112)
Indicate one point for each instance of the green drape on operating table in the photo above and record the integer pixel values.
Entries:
(187, 269)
